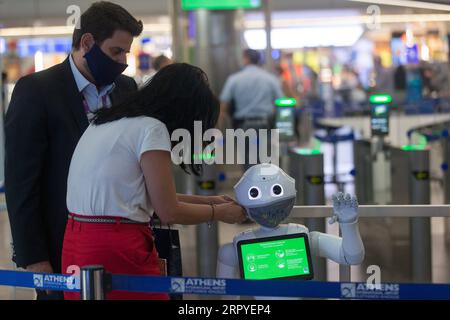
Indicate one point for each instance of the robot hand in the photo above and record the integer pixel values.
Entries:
(345, 208)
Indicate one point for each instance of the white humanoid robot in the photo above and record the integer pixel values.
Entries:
(268, 195)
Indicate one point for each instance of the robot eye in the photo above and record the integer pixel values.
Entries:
(277, 190)
(254, 193)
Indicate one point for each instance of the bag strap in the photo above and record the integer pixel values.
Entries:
(155, 218)
(152, 223)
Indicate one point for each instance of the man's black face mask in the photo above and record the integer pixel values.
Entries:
(104, 69)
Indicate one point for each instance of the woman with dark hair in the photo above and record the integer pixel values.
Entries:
(121, 171)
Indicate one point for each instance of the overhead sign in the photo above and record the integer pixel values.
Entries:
(220, 5)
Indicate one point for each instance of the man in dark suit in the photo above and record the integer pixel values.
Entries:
(48, 113)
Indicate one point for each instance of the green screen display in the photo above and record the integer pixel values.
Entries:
(286, 102)
(380, 98)
(379, 120)
(280, 258)
(220, 4)
(285, 122)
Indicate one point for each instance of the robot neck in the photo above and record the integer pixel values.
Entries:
(267, 229)
(270, 232)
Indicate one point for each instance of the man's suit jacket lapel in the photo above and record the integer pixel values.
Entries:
(73, 97)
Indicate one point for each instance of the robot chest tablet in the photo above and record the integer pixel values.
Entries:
(279, 257)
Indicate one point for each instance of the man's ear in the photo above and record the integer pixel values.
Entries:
(86, 42)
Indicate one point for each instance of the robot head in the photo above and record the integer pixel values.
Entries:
(267, 193)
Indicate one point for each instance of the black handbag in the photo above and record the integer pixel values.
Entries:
(167, 241)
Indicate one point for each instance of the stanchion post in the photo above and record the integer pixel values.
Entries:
(420, 228)
(446, 169)
(93, 283)
(362, 156)
(207, 234)
(306, 166)
(410, 178)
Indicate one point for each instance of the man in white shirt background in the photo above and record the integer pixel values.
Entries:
(249, 97)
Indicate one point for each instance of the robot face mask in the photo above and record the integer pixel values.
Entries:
(272, 215)
(267, 193)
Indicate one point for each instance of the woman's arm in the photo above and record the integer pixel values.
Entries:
(156, 166)
(203, 199)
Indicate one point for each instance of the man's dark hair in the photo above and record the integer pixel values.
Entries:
(177, 95)
(252, 55)
(160, 61)
(102, 19)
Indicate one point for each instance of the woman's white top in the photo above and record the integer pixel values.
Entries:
(105, 175)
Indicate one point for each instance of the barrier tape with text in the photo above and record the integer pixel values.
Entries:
(236, 287)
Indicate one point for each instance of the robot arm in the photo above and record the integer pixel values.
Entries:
(346, 250)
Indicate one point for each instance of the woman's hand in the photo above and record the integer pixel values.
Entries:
(230, 212)
(221, 199)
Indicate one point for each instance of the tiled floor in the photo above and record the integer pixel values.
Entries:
(385, 240)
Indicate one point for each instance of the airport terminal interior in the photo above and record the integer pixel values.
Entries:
(365, 111)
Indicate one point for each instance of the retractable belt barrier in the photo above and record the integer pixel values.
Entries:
(236, 287)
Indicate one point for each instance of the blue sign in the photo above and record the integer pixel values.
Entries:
(29, 47)
(413, 86)
(2, 46)
(42, 281)
(56, 282)
(412, 54)
(144, 61)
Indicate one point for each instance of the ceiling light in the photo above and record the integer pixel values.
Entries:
(289, 38)
(408, 4)
(68, 30)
